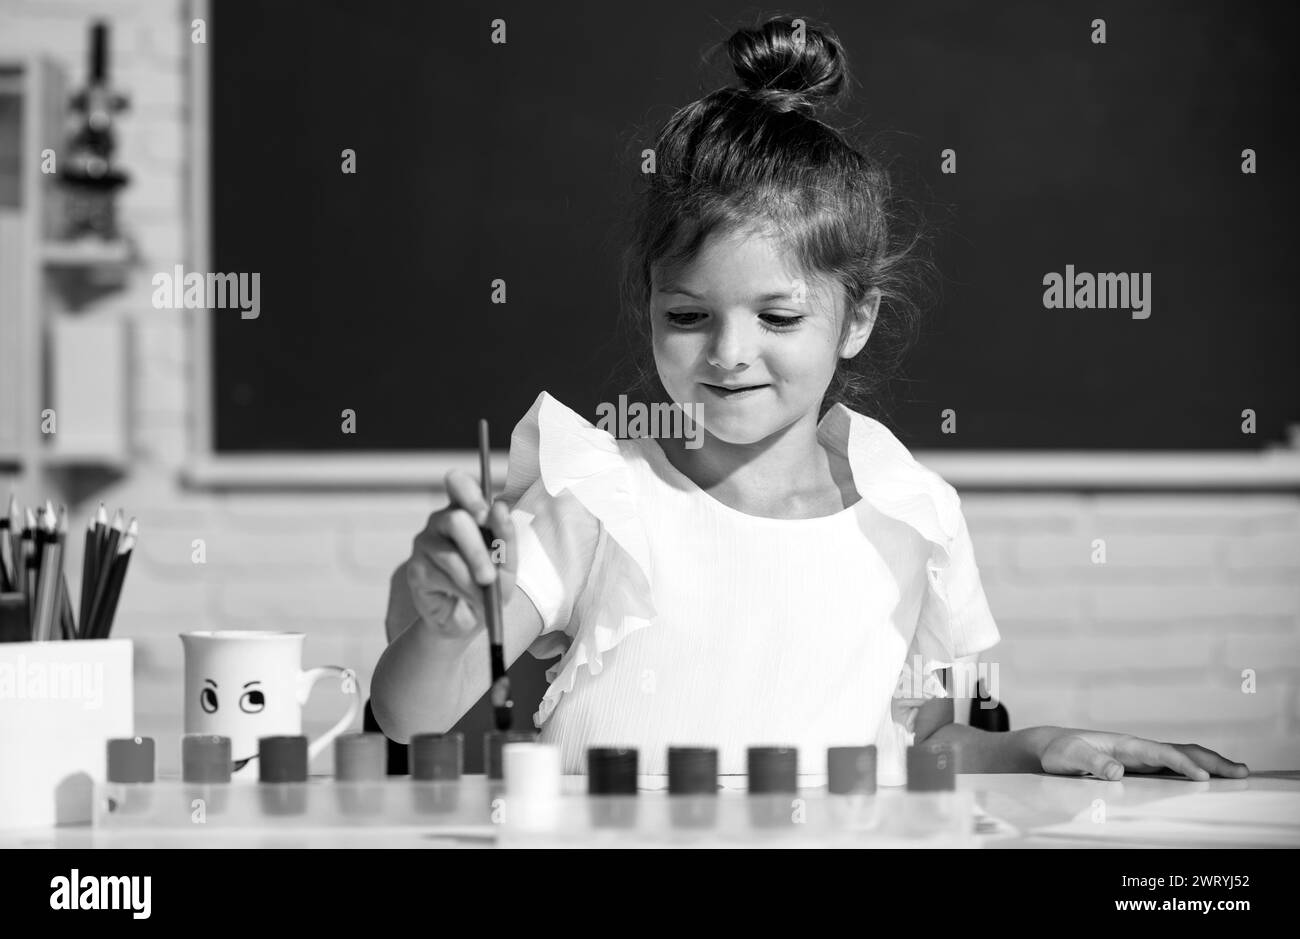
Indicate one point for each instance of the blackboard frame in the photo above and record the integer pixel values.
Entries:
(1274, 468)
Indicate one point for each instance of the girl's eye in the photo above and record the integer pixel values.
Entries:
(771, 321)
(252, 702)
(779, 323)
(208, 699)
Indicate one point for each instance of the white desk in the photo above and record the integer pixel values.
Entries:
(1029, 802)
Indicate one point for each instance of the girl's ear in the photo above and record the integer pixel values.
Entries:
(864, 320)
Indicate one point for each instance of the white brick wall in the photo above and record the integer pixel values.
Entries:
(1153, 642)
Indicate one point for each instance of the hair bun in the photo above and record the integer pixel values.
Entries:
(793, 66)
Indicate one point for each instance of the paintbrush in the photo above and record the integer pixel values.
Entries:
(502, 706)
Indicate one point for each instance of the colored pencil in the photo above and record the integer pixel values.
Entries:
(31, 561)
(16, 543)
(67, 623)
(101, 529)
(8, 573)
(106, 553)
(51, 570)
(103, 624)
(89, 567)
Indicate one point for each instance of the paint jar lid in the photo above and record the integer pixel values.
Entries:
(693, 771)
(362, 756)
(205, 758)
(437, 756)
(611, 771)
(282, 759)
(851, 769)
(130, 760)
(773, 769)
(931, 768)
(494, 740)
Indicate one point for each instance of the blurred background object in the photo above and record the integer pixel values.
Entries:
(92, 177)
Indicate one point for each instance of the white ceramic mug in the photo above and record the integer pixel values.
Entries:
(246, 684)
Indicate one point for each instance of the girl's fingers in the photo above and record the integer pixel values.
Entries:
(453, 565)
(503, 530)
(1149, 753)
(463, 616)
(465, 493)
(1078, 756)
(906, 711)
(428, 587)
(1213, 762)
(437, 599)
(1100, 763)
(458, 527)
(451, 614)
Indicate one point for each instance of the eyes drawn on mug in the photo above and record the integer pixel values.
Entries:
(252, 701)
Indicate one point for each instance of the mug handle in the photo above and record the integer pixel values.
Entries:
(308, 681)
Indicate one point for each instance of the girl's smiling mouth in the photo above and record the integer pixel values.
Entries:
(733, 391)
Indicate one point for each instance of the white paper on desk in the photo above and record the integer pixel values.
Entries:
(1219, 819)
(1268, 807)
(1158, 833)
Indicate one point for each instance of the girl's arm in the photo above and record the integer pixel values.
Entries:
(426, 680)
(1065, 751)
(985, 751)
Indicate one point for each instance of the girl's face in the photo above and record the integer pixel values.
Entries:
(741, 333)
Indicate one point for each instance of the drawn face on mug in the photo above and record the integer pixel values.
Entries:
(252, 699)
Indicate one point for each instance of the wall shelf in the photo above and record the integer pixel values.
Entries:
(87, 252)
(113, 461)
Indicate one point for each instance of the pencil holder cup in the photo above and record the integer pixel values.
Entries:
(59, 703)
(15, 618)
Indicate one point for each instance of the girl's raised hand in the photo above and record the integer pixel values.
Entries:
(450, 564)
(1108, 756)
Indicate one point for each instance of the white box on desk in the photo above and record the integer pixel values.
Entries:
(59, 704)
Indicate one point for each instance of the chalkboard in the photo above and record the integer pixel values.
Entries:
(478, 161)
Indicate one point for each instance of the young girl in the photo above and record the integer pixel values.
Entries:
(794, 577)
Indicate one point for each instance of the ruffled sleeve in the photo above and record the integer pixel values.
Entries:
(583, 555)
(954, 623)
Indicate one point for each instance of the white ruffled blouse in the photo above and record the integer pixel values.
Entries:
(683, 621)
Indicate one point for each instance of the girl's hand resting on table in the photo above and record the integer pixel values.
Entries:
(1108, 756)
(450, 564)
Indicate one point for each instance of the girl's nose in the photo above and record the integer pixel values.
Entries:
(731, 346)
